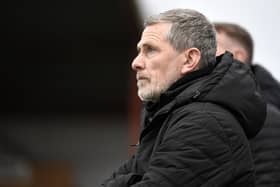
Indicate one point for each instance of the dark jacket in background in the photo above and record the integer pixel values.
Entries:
(196, 135)
(266, 145)
(270, 87)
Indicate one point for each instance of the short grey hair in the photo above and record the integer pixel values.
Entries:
(189, 29)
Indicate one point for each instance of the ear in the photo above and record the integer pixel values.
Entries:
(240, 55)
(220, 51)
(192, 59)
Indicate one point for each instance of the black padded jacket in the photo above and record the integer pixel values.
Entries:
(196, 135)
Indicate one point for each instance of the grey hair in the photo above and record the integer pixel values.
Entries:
(189, 29)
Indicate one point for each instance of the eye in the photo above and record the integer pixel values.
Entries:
(150, 51)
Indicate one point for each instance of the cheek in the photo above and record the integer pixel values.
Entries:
(158, 68)
(158, 80)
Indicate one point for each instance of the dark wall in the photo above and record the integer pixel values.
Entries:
(67, 57)
(61, 59)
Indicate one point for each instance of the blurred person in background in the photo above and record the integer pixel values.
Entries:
(266, 145)
(197, 116)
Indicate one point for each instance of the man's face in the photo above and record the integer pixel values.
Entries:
(157, 64)
(226, 43)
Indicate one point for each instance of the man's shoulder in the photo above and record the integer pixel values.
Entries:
(201, 107)
(207, 119)
(203, 112)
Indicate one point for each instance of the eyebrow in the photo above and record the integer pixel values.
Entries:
(144, 46)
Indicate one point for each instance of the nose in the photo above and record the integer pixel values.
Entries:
(138, 63)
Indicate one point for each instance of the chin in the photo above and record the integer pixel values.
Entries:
(148, 96)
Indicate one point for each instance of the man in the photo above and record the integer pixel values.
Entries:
(266, 145)
(197, 116)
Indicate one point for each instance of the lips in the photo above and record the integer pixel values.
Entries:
(141, 77)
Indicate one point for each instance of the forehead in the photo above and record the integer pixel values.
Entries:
(155, 33)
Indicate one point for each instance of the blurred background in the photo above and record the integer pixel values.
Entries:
(65, 91)
(69, 110)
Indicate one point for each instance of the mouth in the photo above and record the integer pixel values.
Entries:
(140, 77)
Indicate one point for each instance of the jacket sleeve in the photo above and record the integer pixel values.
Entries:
(193, 152)
(123, 176)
